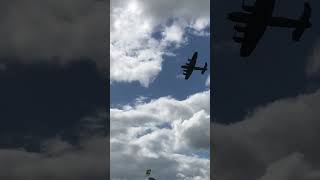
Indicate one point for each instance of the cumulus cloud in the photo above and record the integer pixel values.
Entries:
(290, 167)
(276, 141)
(60, 159)
(143, 32)
(165, 134)
(54, 30)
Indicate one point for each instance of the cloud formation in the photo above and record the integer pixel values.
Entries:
(165, 134)
(54, 30)
(61, 159)
(143, 32)
(276, 141)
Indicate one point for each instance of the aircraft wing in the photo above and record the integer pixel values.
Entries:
(187, 71)
(251, 32)
(188, 75)
(193, 61)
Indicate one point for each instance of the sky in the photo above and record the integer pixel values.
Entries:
(53, 89)
(265, 107)
(158, 120)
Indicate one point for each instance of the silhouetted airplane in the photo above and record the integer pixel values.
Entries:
(189, 67)
(148, 172)
(259, 17)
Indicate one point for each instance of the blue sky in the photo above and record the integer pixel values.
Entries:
(167, 83)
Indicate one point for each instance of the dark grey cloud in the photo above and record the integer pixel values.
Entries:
(53, 107)
(44, 30)
(61, 161)
(276, 141)
(59, 157)
(266, 105)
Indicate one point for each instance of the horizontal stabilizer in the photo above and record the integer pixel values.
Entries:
(204, 68)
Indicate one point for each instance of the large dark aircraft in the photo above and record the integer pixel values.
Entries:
(189, 67)
(258, 17)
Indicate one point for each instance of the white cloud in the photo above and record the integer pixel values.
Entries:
(136, 55)
(163, 134)
(200, 24)
(173, 33)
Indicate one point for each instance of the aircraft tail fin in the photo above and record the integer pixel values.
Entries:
(305, 17)
(204, 68)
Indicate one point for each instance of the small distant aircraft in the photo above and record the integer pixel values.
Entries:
(258, 18)
(148, 173)
(189, 67)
